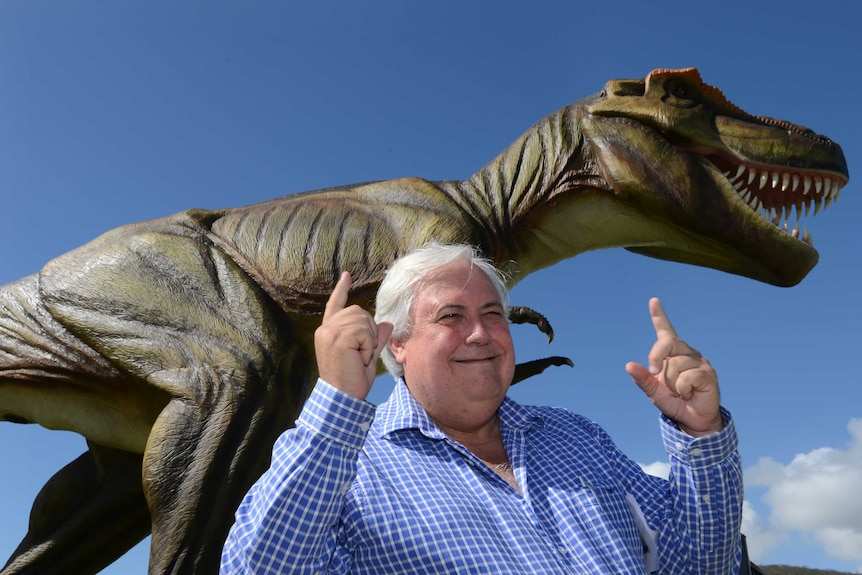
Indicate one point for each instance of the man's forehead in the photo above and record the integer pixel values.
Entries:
(445, 294)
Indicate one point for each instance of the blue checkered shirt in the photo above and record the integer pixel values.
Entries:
(351, 491)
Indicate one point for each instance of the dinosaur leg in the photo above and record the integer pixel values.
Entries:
(200, 461)
(173, 310)
(212, 442)
(85, 517)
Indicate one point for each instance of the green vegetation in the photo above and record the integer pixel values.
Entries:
(787, 570)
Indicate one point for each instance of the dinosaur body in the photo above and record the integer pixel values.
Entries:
(181, 347)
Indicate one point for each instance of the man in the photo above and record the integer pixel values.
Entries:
(451, 476)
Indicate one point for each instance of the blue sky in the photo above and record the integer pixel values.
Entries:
(116, 112)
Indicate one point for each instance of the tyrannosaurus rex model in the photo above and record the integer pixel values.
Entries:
(181, 347)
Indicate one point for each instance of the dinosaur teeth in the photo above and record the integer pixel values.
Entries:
(753, 203)
(774, 195)
(752, 173)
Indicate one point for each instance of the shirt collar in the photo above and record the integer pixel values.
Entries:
(401, 411)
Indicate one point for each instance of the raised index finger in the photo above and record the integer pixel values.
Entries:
(338, 298)
(660, 321)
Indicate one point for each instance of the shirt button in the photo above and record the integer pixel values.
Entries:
(705, 498)
(680, 446)
(363, 427)
(696, 452)
(562, 551)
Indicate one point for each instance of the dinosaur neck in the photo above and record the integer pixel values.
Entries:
(519, 186)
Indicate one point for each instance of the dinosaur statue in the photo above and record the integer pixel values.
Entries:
(181, 347)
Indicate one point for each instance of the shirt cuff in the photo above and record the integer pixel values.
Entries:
(698, 452)
(337, 415)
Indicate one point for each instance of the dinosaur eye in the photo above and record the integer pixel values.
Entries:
(681, 95)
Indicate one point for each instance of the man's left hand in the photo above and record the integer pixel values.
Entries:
(679, 381)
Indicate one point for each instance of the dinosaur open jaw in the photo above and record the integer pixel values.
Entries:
(772, 193)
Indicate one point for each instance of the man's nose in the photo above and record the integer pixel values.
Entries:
(479, 333)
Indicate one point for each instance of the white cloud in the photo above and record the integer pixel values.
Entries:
(760, 537)
(818, 494)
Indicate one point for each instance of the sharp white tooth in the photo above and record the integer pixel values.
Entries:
(775, 179)
(818, 185)
(773, 217)
(752, 173)
(753, 203)
(836, 193)
(785, 181)
(827, 186)
(807, 185)
(760, 206)
(747, 196)
(739, 171)
(738, 186)
(764, 176)
(795, 182)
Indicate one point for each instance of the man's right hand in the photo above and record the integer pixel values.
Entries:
(348, 343)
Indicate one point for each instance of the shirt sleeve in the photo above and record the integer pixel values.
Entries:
(700, 517)
(287, 521)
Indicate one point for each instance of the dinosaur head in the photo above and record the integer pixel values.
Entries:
(711, 184)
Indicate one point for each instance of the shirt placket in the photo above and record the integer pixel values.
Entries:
(515, 441)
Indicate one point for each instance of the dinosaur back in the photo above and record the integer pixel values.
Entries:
(297, 246)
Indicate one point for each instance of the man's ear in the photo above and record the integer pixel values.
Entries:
(397, 346)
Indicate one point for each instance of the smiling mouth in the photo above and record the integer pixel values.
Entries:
(476, 359)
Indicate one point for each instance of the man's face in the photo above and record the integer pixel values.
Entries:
(459, 359)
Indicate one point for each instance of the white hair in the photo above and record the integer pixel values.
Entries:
(404, 281)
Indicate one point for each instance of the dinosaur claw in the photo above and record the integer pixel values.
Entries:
(520, 315)
(537, 366)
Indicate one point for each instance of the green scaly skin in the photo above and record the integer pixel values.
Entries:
(181, 347)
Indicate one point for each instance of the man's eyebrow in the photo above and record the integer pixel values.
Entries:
(460, 307)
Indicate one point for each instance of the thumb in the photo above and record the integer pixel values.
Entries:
(643, 378)
(370, 357)
(658, 393)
